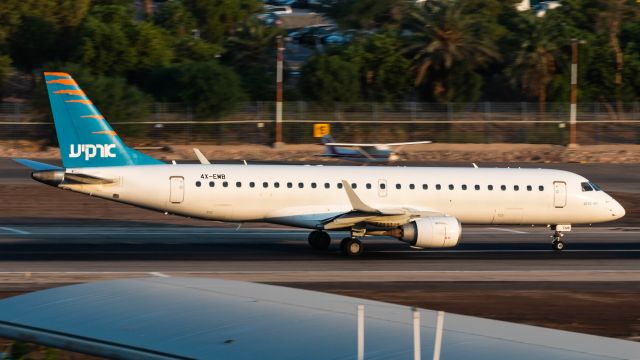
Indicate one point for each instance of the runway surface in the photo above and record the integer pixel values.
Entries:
(282, 254)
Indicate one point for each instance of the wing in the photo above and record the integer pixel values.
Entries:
(362, 213)
(362, 145)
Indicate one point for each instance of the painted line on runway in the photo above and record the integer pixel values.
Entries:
(159, 274)
(15, 231)
(509, 230)
(499, 251)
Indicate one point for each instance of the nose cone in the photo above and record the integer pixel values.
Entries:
(617, 211)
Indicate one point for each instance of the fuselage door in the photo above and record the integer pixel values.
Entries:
(176, 194)
(559, 194)
(382, 188)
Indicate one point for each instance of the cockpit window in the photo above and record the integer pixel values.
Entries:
(595, 187)
(586, 186)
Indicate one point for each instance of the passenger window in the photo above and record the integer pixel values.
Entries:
(198, 183)
(541, 188)
(300, 185)
(438, 186)
(225, 184)
(313, 185)
(412, 186)
(368, 185)
(503, 187)
(289, 185)
(477, 187)
(212, 184)
(276, 185)
(516, 187)
(398, 186)
(265, 184)
(354, 185)
(327, 185)
(238, 184)
(339, 185)
(252, 184)
(425, 186)
(529, 187)
(451, 187)
(464, 187)
(383, 186)
(490, 187)
(586, 186)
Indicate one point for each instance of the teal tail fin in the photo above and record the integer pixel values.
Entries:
(84, 135)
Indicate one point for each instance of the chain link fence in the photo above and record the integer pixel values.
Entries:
(485, 122)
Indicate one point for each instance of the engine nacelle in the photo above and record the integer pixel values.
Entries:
(432, 232)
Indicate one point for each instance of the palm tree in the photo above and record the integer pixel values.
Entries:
(535, 62)
(254, 42)
(442, 36)
(613, 14)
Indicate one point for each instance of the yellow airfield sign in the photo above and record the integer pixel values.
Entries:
(320, 130)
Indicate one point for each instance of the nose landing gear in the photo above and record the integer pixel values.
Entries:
(557, 244)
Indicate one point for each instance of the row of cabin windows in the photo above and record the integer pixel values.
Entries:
(368, 186)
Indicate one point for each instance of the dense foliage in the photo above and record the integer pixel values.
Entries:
(212, 54)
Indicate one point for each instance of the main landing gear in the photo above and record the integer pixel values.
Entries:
(350, 246)
(319, 240)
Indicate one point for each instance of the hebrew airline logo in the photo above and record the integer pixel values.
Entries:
(92, 150)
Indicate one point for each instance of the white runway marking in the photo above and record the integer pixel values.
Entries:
(510, 230)
(158, 274)
(15, 231)
(503, 251)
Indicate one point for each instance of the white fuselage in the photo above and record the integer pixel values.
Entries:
(298, 195)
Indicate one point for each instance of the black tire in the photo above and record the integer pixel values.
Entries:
(558, 245)
(319, 240)
(351, 247)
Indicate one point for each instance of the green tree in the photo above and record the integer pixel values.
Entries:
(210, 88)
(329, 78)
(535, 63)
(384, 72)
(105, 40)
(174, 17)
(611, 19)
(444, 37)
(113, 43)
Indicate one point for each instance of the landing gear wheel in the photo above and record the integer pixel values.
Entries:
(319, 240)
(351, 247)
(558, 245)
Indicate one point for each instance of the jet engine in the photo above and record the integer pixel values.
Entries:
(431, 232)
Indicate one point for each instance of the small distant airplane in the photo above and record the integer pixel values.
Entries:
(364, 152)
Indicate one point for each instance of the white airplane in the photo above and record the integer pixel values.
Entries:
(421, 206)
(367, 153)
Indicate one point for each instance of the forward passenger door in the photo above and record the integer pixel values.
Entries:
(559, 194)
(176, 191)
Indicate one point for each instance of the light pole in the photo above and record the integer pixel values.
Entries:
(279, 66)
(574, 92)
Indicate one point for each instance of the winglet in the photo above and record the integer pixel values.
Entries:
(356, 203)
(202, 158)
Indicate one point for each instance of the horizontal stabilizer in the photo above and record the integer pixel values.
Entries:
(35, 165)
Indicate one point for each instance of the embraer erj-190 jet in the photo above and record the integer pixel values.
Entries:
(421, 206)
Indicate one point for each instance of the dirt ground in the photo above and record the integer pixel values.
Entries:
(616, 154)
